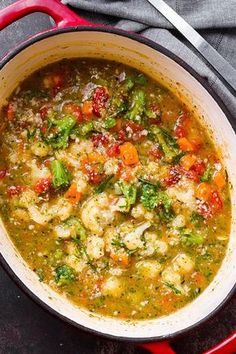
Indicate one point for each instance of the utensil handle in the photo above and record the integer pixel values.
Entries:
(61, 14)
(221, 66)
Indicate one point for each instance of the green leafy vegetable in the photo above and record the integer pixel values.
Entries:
(166, 212)
(149, 196)
(102, 186)
(65, 275)
(207, 175)
(110, 123)
(58, 130)
(60, 174)
(127, 85)
(137, 106)
(166, 141)
(141, 79)
(188, 238)
(173, 288)
(196, 218)
(130, 193)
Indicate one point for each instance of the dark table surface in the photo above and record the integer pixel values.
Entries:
(25, 328)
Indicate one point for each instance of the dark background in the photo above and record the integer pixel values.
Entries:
(25, 328)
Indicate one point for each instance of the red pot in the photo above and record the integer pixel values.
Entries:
(71, 37)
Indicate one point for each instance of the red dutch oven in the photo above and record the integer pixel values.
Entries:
(73, 37)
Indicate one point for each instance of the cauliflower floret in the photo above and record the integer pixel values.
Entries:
(132, 239)
(38, 173)
(149, 269)
(139, 212)
(62, 209)
(152, 244)
(183, 263)
(111, 166)
(184, 193)
(96, 213)
(76, 263)
(62, 232)
(95, 247)
(170, 276)
(27, 198)
(179, 221)
(21, 214)
(83, 147)
(40, 149)
(112, 286)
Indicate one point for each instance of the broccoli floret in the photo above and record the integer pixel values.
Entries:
(188, 238)
(149, 196)
(59, 130)
(64, 275)
(60, 174)
(79, 229)
(137, 106)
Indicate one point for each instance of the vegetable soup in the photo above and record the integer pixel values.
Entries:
(111, 189)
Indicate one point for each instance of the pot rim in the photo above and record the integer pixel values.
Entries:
(19, 282)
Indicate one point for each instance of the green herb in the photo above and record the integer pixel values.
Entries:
(60, 174)
(59, 130)
(137, 106)
(102, 186)
(196, 218)
(65, 275)
(141, 79)
(166, 213)
(110, 123)
(173, 288)
(31, 133)
(207, 175)
(188, 238)
(130, 193)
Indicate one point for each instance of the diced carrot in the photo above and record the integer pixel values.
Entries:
(219, 178)
(120, 258)
(10, 112)
(196, 141)
(129, 154)
(73, 195)
(87, 109)
(185, 144)
(198, 278)
(187, 161)
(203, 191)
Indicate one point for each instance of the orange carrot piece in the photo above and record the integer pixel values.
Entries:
(129, 154)
(87, 109)
(219, 178)
(185, 144)
(203, 191)
(187, 161)
(120, 258)
(73, 195)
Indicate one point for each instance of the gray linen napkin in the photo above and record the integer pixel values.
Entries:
(214, 19)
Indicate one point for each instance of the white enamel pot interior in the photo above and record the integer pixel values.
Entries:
(159, 64)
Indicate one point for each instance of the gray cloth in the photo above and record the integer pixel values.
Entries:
(214, 19)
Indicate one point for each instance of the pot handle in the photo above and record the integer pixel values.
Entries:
(60, 13)
(158, 348)
(227, 346)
